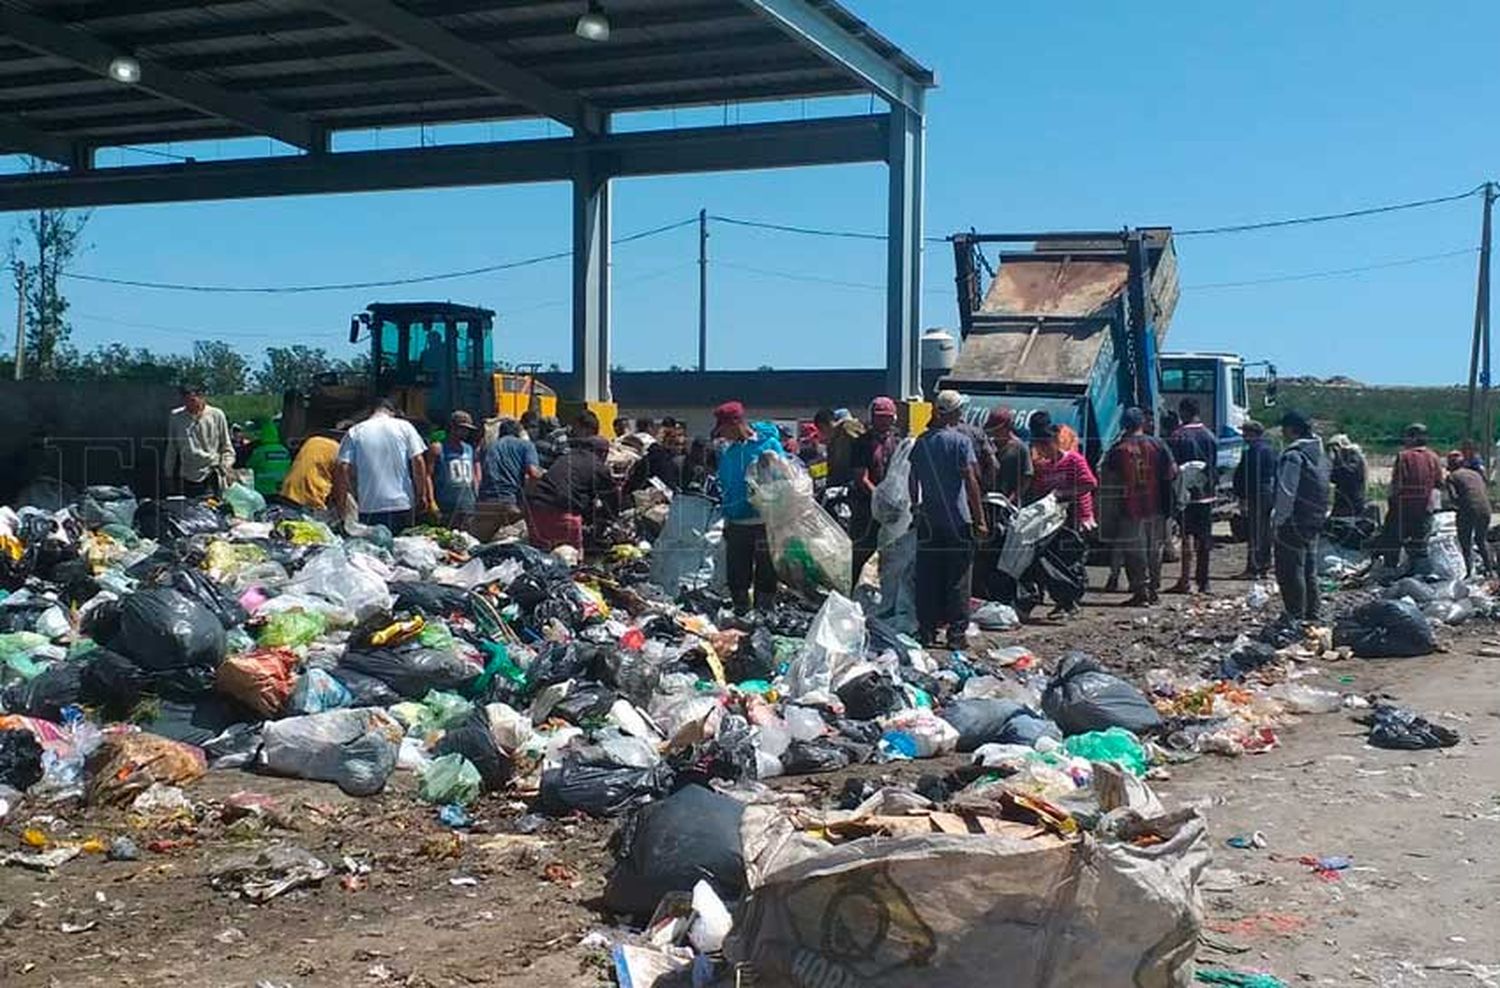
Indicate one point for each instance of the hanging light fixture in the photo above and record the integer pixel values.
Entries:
(592, 24)
(125, 69)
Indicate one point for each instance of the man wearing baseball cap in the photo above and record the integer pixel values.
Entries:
(949, 514)
(200, 450)
(747, 553)
(867, 462)
(1013, 468)
(1416, 478)
(456, 472)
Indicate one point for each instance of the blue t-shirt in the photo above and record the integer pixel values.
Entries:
(938, 462)
(453, 480)
(734, 464)
(505, 463)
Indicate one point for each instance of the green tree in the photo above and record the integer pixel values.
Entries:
(38, 259)
(292, 368)
(219, 367)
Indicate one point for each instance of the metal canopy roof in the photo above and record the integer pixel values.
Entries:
(296, 70)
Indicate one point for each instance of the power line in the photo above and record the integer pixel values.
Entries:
(1328, 217)
(352, 285)
(1334, 272)
(811, 231)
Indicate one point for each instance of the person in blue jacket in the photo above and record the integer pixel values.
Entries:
(747, 552)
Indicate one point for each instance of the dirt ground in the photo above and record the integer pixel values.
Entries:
(412, 904)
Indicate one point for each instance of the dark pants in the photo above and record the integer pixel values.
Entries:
(1258, 529)
(1406, 527)
(1297, 572)
(1473, 530)
(209, 486)
(747, 561)
(945, 565)
(864, 533)
(396, 521)
(1197, 542)
(1140, 544)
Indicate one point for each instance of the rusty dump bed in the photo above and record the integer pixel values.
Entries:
(1009, 343)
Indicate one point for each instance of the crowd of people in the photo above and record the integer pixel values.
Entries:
(562, 485)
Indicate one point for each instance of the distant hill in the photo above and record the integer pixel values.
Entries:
(1372, 415)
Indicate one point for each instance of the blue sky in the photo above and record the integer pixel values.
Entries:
(1048, 116)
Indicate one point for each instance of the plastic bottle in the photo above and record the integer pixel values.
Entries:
(1300, 699)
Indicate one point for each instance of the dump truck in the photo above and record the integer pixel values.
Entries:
(430, 358)
(1073, 323)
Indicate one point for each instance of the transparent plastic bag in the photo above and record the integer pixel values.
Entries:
(835, 640)
(891, 503)
(809, 547)
(1032, 524)
(333, 576)
(245, 502)
(356, 749)
(449, 779)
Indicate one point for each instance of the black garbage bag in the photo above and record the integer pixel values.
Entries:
(234, 747)
(557, 662)
(755, 658)
(1406, 730)
(75, 579)
(870, 696)
(162, 629)
(45, 694)
(864, 732)
(631, 674)
(995, 721)
(412, 670)
(197, 721)
(856, 791)
(586, 703)
(728, 755)
(811, 757)
(601, 790)
(101, 506)
(883, 637)
(1383, 629)
(20, 759)
(473, 740)
(533, 559)
(670, 845)
(22, 615)
(1350, 533)
(531, 589)
(200, 587)
(365, 690)
(1246, 659)
(1062, 567)
(112, 682)
(176, 517)
(432, 599)
(1083, 697)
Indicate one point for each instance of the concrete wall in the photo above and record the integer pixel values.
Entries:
(82, 433)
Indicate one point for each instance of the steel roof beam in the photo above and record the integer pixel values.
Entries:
(823, 141)
(469, 61)
(52, 38)
(813, 29)
(19, 138)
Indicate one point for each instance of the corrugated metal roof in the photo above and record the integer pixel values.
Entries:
(297, 59)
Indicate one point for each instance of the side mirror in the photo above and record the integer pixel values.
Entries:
(354, 329)
(1269, 399)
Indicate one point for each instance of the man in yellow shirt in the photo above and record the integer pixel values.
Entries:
(309, 482)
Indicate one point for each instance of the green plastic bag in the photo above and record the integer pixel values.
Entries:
(304, 531)
(446, 709)
(1238, 979)
(16, 648)
(435, 634)
(449, 779)
(244, 501)
(288, 629)
(1114, 745)
(497, 663)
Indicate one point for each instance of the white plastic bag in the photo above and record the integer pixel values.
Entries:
(891, 503)
(684, 556)
(1032, 524)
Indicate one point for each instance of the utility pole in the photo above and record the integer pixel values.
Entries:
(1479, 355)
(20, 319)
(702, 290)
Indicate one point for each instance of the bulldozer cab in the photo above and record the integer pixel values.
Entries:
(435, 357)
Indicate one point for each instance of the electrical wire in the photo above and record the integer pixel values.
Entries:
(1328, 217)
(1334, 272)
(352, 285)
(810, 231)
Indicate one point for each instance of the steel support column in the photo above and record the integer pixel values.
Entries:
(591, 295)
(903, 286)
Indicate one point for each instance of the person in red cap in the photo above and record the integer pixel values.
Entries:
(867, 461)
(1013, 470)
(747, 553)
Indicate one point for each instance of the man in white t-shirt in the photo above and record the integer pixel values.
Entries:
(381, 460)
